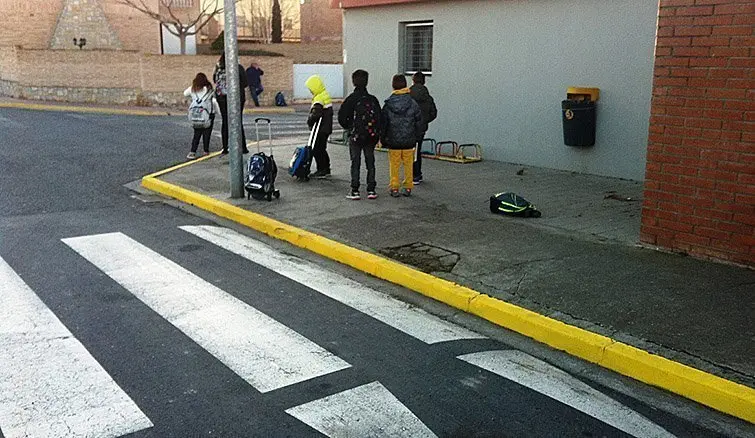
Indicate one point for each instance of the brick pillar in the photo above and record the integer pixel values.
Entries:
(83, 19)
(700, 176)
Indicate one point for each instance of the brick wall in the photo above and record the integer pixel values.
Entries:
(320, 22)
(135, 30)
(29, 23)
(700, 177)
(119, 77)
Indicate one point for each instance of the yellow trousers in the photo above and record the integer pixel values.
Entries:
(397, 157)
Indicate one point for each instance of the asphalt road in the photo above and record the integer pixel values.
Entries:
(124, 316)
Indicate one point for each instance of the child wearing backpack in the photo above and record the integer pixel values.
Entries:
(401, 127)
(202, 112)
(360, 116)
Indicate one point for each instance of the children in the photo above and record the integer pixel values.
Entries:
(360, 115)
(203, 95)
(322, 108)
(401, 127)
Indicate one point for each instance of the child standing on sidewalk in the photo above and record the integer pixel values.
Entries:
(322, 109)
(202, 96)
(360, 116)
(401, 127)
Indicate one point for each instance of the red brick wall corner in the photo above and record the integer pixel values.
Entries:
(700, 176)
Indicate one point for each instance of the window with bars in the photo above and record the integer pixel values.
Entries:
(417, 47)
(181, 3)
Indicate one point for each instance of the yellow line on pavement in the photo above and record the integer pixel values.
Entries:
(128, 112)
(82, 109)
(187, 163)
(269, 110)
(718, 393)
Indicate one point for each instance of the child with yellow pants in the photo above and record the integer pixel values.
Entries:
(401, 128)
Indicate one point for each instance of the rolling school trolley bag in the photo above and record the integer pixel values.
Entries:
(262, 170)
(301, 161)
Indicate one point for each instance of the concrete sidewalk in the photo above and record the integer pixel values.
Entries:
(578, 263)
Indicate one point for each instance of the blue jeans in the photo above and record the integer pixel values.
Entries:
(255, 92)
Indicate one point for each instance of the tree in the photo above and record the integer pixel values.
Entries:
(257, 21)
(178, 18)
(277, 23)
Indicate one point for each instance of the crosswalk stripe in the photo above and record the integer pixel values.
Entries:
(558, 385)
(259, 349)
(410, 320)
(50, 386)
(366, 411)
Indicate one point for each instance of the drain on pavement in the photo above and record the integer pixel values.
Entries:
(427, 258)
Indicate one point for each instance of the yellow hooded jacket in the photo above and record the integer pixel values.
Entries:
(322, 106)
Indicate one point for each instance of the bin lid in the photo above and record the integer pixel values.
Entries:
(579, 93)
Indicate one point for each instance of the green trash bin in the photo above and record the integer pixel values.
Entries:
(578, 117)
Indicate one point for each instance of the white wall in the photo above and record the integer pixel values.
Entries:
(501, 69)
(331, 74)
(172, 44)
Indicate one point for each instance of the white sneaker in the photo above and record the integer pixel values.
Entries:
(191, 156)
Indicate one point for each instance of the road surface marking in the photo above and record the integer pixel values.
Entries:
(366, 411)
(50, 386)
(399, 315)
(558, 385)
(261, 350)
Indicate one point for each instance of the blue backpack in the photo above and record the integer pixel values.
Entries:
(279, 99)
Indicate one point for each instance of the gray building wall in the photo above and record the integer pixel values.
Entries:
(501, 69)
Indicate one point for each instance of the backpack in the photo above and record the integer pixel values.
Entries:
(366, 127)
(199, 117)
(260, 177)
(279, 99)
(221, 83)
(511, 204)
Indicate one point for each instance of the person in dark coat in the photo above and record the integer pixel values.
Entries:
(221, 93)
(358, 145)
(254, 78)
(426, 103)
(401, 123)
(322, 108)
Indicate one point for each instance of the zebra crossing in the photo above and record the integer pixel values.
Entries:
(52, 386)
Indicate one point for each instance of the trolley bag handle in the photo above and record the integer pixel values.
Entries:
(269, 132)
(313, 133)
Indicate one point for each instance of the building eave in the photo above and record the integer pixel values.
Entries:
(349, 4)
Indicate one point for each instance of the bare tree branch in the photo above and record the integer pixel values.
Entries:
(177, 24)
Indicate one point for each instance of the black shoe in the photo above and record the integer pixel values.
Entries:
(224, 152)
(321, 174)
(353, 195)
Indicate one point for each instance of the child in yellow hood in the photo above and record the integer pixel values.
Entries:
(322, 109)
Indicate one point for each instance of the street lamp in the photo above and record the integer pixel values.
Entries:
(81, 42)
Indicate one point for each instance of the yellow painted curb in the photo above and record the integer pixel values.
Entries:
(718, 393)
(81, 109)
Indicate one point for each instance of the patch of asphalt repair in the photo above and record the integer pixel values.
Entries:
(426, 258)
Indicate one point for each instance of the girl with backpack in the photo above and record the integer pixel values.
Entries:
(202, 112)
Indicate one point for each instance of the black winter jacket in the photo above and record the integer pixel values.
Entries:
(426, 104)
(401, 122)
(326, 127)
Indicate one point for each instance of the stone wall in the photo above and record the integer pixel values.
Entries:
(84, 19)
(119, 77)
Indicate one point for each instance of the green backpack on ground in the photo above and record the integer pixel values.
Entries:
(511, 204)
